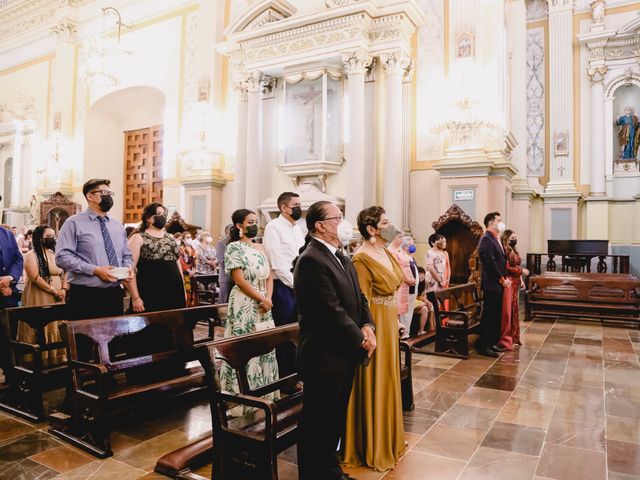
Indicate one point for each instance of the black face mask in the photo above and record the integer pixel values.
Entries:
(106, 203)
(159, 221)
(296, 213)
(251, 231)
(513, 243)
(49, 243)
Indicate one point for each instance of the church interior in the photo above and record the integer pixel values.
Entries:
(441, 111)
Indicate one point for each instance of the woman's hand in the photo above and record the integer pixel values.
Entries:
(410, 281)
(266, 305)
(525, 272)
(138, 305)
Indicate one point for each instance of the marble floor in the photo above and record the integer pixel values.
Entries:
(565, 406)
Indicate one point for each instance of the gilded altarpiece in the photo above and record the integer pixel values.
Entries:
(143, 170)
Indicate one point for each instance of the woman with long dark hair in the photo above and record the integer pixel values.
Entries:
(157, 284)
(44, 284)
(510, 325)
(249, 301)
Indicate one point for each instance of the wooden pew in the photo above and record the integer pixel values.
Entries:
(206, 288)
(407, 347)
(134, 359)
(600, 296)
(454, 325)
(30, 375)
(248, 446)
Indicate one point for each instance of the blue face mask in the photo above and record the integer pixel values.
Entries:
(412, 249)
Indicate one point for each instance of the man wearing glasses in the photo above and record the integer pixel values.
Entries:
(92, 249)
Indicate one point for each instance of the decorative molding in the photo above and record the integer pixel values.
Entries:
(395, 62)
(261, 14)
(596, 73)
(356, 62)
(455, 213)
(536, 91)
(536, 10)
(339, 3)
(65, 29)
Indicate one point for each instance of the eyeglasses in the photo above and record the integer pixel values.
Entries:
(339, 217)
(104, 192)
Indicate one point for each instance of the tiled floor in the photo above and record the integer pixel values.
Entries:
(565, 406)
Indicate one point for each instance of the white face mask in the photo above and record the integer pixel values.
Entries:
(209, 238)
(345, 232)
(501, 227)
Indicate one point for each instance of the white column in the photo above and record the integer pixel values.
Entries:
(254, 178)
(597, 131)
(561, 95)
(240, 174)
(407, 120)
(517, 16)
(355, 66)
(16, 176)
(394, 64)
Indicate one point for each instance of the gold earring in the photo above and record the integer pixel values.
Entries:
(241, 234)
(372, 240)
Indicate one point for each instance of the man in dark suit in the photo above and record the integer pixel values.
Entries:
(494, 265)
(11, 264)
(336, 334)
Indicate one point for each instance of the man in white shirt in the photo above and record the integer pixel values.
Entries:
(282, 240)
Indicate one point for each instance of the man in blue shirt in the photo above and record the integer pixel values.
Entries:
(91, 245)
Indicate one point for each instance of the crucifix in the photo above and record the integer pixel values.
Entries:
(561, 170)
(308, 99)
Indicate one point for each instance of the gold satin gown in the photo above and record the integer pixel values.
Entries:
(374, 434)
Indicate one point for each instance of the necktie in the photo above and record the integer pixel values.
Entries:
(108, 243)
(342, 258)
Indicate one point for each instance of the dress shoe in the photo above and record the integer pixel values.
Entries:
(488, 352)
(498, 348)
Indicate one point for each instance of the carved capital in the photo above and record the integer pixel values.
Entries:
(560, 5)
(256, 81)
(357, 62)
(597, 11)
(65, 29)
(395, 63)
(597, 73)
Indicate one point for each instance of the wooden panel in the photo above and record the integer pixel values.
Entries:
(143, 171)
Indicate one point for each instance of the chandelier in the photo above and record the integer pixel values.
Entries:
(104, 52)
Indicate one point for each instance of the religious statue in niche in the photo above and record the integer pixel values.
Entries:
(561, 144)
(34, 211)
(308, 99)
(465, 45)
(629, 134)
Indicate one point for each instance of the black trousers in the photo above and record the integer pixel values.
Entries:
(322, 423)
(94, 302)
(490, 320)
(284, 312)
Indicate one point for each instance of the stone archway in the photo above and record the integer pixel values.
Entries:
(462, 234)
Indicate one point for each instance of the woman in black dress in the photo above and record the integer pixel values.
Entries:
(158, 283)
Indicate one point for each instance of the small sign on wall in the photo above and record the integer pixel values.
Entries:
(461, 195)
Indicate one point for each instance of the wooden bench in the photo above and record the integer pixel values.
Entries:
(454, 325)
(407, 347)
(132, 360)
(248, 446)
(30, 374)
(206, 288)
(600, 296)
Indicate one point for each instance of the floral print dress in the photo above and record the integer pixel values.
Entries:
(244, 316)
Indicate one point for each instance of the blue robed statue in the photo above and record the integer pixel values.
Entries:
(629, 134)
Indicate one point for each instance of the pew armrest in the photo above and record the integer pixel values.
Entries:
(96, 367)
(267, 406)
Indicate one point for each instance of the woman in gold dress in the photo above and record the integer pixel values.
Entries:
(374, 435)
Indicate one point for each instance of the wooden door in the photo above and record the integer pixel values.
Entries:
(143, 170)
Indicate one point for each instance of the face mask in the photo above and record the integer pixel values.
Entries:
(412, 249)
(106, 203)
(388, 233)
(296, 213)
(251, 231)
(209, 239)
(501, 227)
(513, 243)
(345, 232)
(159, 221)
(49, 243)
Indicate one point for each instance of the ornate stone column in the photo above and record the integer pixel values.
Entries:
(561, 96)
(517, 20)
(254, 174)
(394, 65)
(355, 66)
(596, 74)
(240, 175)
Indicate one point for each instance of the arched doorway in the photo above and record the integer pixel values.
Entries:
(462, 234)
(109, 128)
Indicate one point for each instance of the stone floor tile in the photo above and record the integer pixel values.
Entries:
(515, 438)
(492, 464)
(569, 463)
(450, 442)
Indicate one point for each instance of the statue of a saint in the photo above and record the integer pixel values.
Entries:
(629, 134)
(34, 211)
(308, 99)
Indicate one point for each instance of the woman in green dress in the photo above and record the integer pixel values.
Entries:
(250, 304)
(374, 435)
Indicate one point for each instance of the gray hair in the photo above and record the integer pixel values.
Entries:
(405, 241)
